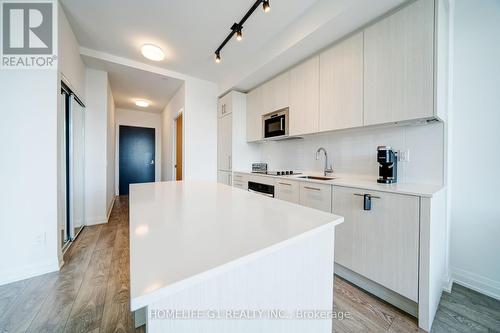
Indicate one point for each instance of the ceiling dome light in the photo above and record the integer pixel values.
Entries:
(152, 52)
(217, 57)
(266, 6)
(142, 103)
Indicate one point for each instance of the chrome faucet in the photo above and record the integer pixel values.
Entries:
(327, 169)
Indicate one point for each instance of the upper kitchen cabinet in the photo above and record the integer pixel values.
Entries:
(304, 97)
(224, 143)
(398, 66)
(276, 93)
(254, 115)
(341, 85)
(225, 106)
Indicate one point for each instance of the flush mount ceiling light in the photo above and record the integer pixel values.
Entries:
(142, 103)
(237, 28)
(152, 52)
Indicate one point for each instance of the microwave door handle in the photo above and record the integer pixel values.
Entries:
(281, 123)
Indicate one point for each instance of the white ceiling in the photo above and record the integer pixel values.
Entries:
(129, 84)
(190, 31)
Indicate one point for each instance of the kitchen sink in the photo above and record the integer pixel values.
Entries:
(317, 177)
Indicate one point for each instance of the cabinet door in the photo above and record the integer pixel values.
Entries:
(276, 93)
(304, 97)
(287, 190)
(224, 143)
(318, 196)
(254, 114)
(382, 243)
(225, 105)
(240, 180)
(398, 67)
(341, 85)
(224, 177)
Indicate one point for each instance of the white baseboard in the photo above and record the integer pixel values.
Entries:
(476, 282)
(96, 221)
(448, 283)
(111, 208)
(26, 272)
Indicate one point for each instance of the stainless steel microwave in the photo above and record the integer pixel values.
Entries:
(275, 123)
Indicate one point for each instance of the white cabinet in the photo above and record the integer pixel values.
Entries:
(287, 190)
(398, 65)
(240, 180)
(318, 196)
(382, 244)
(304, 97)
(341, 85)
(254, 115)
(224, 143)
(276, 93)
(224, 177)
(225, 105)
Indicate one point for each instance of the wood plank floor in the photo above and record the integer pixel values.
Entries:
(91, 294)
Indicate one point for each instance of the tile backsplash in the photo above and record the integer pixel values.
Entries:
(354, 152)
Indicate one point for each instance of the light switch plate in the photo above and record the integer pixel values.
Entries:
(404, 155)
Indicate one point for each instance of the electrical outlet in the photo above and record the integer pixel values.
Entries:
(404, 155)
(40, 239)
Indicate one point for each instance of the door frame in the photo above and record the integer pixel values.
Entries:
(174, 144)
(157, 129)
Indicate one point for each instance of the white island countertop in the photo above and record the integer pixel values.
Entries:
(184, 232)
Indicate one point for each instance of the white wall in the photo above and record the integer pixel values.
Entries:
(71, 66)
(96, 120)
(171, 111)
(475, 138)
(200, 130)
(28, 173)
(110, 151)
(354, 152)
(139, 119)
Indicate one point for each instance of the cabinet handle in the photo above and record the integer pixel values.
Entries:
(230, 161)
(284, 184)
(362, 195)
(312, 188)
(367, 200)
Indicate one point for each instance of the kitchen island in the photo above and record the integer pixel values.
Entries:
(206, 257)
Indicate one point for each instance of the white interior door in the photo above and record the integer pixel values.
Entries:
(77, 167)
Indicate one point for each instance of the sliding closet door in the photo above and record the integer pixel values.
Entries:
(77, 166)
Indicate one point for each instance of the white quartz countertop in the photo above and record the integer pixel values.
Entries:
(184, 232)
(422, 190)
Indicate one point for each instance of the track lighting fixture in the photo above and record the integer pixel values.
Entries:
(237, 28)
(266, 6)
(239, 34)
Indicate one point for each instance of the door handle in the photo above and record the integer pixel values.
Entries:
(152, 162)
(281, 124)
(312, 188)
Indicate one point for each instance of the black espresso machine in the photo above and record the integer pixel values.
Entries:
(388, 168)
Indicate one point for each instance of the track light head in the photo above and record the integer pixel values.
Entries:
(266, 6)
(239, 34)
(217, 57)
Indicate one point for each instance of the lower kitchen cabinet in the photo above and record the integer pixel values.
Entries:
(318, 196)
(224, 177)
(381, 244)
(240, 181)
(287, 190)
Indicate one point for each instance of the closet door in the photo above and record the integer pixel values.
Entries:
(77, 167)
